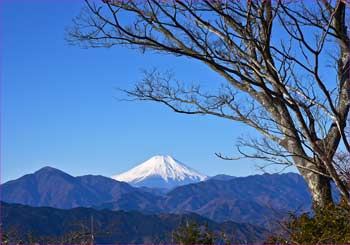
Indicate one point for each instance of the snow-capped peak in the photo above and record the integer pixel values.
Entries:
(160, 171)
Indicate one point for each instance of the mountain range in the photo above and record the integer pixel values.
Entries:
(55, 188)
(252, 199)
(145, 204)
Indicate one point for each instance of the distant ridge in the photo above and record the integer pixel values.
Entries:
(223, 177)
(52, 187)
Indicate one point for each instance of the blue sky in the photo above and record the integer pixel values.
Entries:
(59, 107)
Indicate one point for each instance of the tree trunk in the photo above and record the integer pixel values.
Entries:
(320, 188)
(312, 171)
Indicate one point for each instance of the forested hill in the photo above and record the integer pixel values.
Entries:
(51, 225)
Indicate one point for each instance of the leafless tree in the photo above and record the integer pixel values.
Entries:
(342, 162)
(342, 165)
(285, 63)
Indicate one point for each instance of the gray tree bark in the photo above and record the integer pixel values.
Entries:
(320, 188)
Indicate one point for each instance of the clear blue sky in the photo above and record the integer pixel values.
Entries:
(58, 106)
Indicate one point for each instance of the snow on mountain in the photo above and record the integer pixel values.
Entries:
(161, 172)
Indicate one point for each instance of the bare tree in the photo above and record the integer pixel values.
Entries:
(286, 64)
(342, 163)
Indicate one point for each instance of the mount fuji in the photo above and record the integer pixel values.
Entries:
(160, 172)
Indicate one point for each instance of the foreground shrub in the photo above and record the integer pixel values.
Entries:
(192, 233)
(330, 225)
